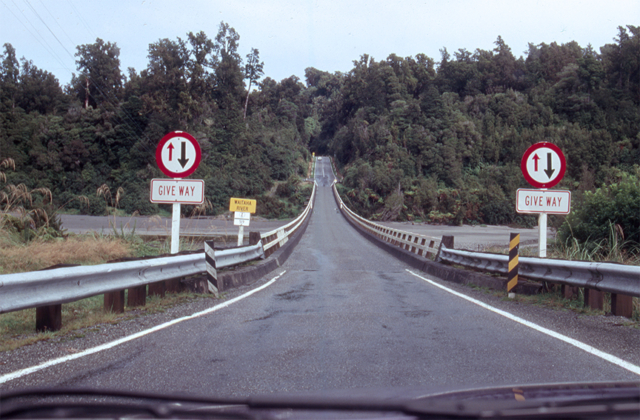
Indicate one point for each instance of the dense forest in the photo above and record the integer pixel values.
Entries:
(103, 128)
(412, 138)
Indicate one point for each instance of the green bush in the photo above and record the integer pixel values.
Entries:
(617, 204)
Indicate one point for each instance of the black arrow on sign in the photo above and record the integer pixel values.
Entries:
(549, 171)
(183, 160)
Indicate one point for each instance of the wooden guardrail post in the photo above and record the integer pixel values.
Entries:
(593, 298)
(157, 289)
(137, 296)
(49, 318)
(172, 286)
(621, 305)
(568, 292)
(114, 302)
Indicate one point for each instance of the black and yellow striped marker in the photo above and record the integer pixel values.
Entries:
(512, 276)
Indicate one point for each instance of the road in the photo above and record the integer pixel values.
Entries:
(156, 225)
(466, 237)
(345, 317)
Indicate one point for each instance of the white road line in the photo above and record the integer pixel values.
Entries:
(582, 346)
(26, 371)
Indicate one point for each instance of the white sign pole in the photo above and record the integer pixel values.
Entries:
(240, 235)
(542, 235)
(175, 229)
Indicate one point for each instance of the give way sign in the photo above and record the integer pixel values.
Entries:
(543, 165)
(178, 154)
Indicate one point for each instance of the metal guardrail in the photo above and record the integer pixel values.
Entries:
(605, 277)
(418, 244)
(63, 285)
(235, 256)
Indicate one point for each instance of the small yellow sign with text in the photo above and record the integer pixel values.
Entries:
(243, 204)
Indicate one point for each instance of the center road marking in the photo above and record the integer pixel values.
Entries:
(582, 346)
(26, 371)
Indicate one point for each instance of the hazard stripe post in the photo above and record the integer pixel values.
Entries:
(512, 276)
(212, 274)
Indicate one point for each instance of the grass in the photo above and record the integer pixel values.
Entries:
(35, 255)
(17, 329)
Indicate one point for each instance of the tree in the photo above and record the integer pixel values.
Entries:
(39, 89)
(10, 71)
(201, 60)
(253, 72)
(229, 88)
(100, 79)
(164, 83)
(612, 207)
(622, 61)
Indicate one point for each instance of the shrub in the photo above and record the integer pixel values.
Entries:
(617, 204)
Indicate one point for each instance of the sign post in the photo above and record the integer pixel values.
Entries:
(242, 209)
(178, 156)
(543, 166)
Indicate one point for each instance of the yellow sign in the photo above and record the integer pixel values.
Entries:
(313, 153)
(242, 204)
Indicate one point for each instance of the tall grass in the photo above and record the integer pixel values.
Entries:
(612, 249)
(38, 254)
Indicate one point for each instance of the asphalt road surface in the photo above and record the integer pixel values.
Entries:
(156, 225)
(345, 315)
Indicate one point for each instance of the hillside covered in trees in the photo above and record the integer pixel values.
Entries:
(414, 138)
(103, 128)
(443, 141)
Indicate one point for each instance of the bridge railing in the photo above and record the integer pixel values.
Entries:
(46, 290)
(622, 281)
(274, 239)
(423, 245)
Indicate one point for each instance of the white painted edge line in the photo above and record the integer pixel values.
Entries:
(582, 346)
(26, 371)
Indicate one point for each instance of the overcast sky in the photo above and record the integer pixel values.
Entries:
(293, 35)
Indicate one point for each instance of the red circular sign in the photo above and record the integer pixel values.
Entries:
(543, 165)
(178, 154)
